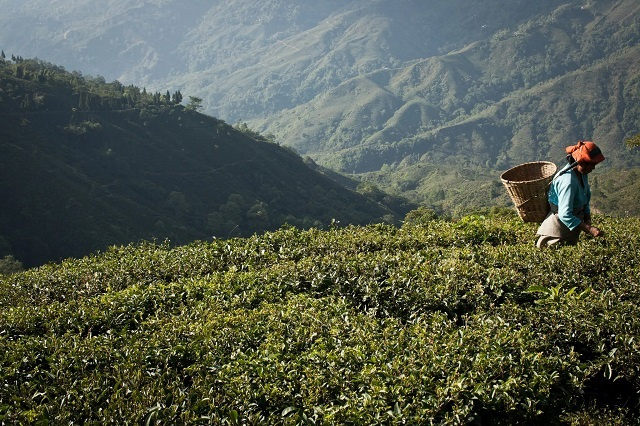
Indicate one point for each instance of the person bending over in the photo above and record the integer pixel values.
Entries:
(570, 197)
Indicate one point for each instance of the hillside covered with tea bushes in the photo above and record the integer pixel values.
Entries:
(437, 321)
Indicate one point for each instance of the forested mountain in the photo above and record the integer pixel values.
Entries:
(421, 97)
(85, 164)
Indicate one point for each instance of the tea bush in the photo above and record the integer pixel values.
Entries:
(438, 321)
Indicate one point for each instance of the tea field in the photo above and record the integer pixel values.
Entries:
(434, 322)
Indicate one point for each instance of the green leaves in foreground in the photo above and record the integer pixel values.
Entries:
(436, 322)
(554, 294)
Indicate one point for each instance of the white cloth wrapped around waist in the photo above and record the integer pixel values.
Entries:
(552, 226)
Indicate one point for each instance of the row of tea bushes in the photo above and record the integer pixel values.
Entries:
(443, 322)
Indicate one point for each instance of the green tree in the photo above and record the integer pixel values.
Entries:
(258, 215)
(178, 203)
(177, 97)
(244, 128)
(215, 222)
(420, 216)
(195, 103)
(633, 141)
(83, 102)
(9, 265)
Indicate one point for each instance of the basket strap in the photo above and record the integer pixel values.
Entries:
(564, 170)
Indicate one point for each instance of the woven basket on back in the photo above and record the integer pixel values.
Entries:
(527, 185)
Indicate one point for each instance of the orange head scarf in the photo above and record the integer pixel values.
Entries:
(585, 152)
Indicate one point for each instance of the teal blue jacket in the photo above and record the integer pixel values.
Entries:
(570, 197)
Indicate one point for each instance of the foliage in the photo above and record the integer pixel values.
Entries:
(9, 265)
(521, 90)
(102, 163)
(244, 128)
(485, 88)
(432, 322)
(615, 191)
(195, 103)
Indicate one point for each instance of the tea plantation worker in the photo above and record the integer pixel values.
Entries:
(569, 197)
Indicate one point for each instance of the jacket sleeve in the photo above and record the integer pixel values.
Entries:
(566, 194)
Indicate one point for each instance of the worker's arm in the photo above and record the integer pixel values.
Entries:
(591, 230)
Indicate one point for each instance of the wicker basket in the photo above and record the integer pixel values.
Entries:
(527, 185)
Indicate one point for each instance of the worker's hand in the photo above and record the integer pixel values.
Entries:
(595, 232)
(591, 230)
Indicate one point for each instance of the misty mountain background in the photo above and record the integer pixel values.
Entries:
(431, 100)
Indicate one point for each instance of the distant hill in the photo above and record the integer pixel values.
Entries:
(521, 94)
(85, 164)
(391, 91)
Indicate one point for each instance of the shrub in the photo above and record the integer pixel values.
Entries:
(437, 321)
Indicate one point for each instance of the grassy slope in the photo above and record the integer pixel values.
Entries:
(523, 91)
(428, 322)
(617, 191)
(521, 95)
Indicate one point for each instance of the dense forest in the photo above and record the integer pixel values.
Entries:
(86, 164)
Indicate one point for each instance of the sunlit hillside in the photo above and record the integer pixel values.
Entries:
(387, 91)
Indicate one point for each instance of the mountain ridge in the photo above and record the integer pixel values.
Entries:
(377, 90)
